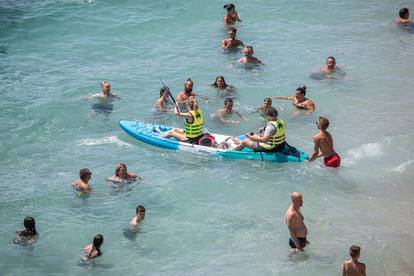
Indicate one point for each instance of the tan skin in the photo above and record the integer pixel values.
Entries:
(222, 113)
(299, 100)
(404, 20)
(139, 216)
(231, 43)
(330, 67)
(105, 94)
(354, 268)
(263, 109)
(295, 220)
(122, 174)
(323, 142)
(184, 96)
(248, 57)
(231, 17)
(82, 184)
(162, 102)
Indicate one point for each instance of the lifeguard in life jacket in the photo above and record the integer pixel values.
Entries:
(193, 125)
(272, 139)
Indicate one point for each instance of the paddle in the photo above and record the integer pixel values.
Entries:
(172, 97)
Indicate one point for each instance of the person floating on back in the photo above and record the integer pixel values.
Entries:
(323, 141)
(298, 99)
(93, 250)
(353, 267)
(248, 56)
(232, 16)
(231, 43)
(81, 184)
(295, 222)
(29, 235)
(272, 139)
(139, 216)
(404, 17)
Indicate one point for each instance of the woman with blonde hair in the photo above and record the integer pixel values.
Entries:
(122, 174)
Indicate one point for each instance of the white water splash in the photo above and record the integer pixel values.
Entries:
(401, 168)
(365, 151)
(102, 141)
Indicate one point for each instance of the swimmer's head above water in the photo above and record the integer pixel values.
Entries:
(404, 13)
(248, 51)
(106, 87)
(121, 170)
(164, 92)
(230, 8)
(330, 63)
(30, 225)
(84, 174)
(300, 92)
(232, 33)
(188, 86)
(220, 82)
(228, 104)
(140, 212)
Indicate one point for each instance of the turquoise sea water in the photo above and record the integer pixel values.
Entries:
(204, 216)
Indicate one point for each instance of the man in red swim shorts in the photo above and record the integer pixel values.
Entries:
(323, 141)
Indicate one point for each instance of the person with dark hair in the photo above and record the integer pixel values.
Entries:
(223, 89)
(272, 137)
(163, 100)
(231, 43)
(232, 16)
(296, 223)
(122, 174)
(185, 95)
(267, 103)
(82, 184)
(28, 235)
(404, 17)
(299, 100)
(323, 141)
(139, 216)
(353, 267)
(227, 111)
(248, 57)
(93, 250)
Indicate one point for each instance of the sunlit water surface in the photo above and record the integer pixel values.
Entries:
(204, 216)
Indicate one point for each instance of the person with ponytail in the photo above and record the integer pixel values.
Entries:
(299, 100)
(27, 235)
(93, 250)
(232, 16)
(193, 125)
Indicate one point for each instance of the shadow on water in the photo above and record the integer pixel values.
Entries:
(131, 233)
(103, 107)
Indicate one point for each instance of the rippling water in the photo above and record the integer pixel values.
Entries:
(204, 216)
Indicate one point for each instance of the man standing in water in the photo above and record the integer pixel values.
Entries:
(106, 92)
(185, 95)
(231, 43)
(295, 222)
(227, 111)
(248, 57)
(353, 267)
(82, 184)
(323, 141)
(139, 216)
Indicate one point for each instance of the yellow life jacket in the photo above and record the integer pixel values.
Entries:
(278, 137)
(194, 129)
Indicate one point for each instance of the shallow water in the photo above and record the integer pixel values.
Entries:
(204, 216)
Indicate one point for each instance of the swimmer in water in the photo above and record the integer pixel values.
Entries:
(139, 216)
(93, 250)
(404, 17)
(82, 183)
(227, 111)
(122, 175)
(29, 235)
(267, 103)
(163, 100)
(329, 71)
(296, 223)
(298, 99)
(353, 267)
(323, 141)
(232, 16)
(105, 94)
(223, 89)
(231, 43)
(248, 57)
(185, 95)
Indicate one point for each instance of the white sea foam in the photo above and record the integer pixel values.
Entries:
(102, 141)
(401, 168)
(364, 151)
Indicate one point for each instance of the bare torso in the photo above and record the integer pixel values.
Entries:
(325, 142)
(353, 268)
(295, 221)
(81, 186)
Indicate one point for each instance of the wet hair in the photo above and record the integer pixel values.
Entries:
(215, 82)
(302, 90)
(267, 100)
(272, 112)
(251, 48)
(323, 123)
(228, 100)
(189, 80)
(404, 13)
(119, 166)
(233, 29)
(97, 242)
(83, 173)
(164, 89)
(30, 225)
(139, 209)
(354, 251)
(331, 57)
(229, 7)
